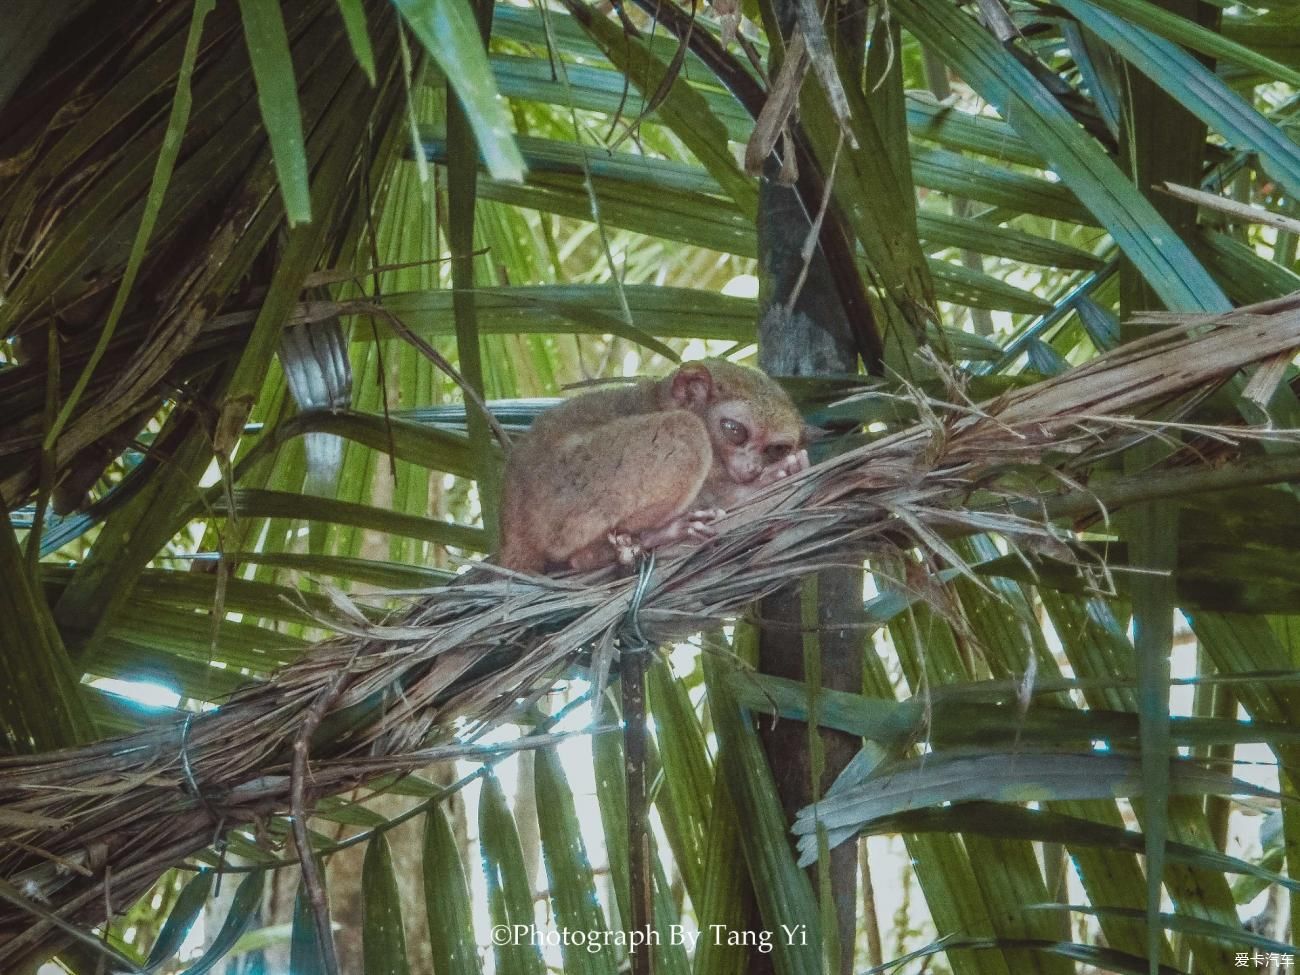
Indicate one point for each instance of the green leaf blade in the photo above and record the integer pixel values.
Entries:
(277, 96)
(383, 940)
(1148, 241)
(448, 32)
(354, 22)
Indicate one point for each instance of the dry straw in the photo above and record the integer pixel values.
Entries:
(94, 826)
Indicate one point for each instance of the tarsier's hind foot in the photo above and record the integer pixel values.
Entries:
(700, 524)
(627, 547)
(695, 525)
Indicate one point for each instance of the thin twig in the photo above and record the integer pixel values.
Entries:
(441, 361)
(632, 664)
(377, 293)
(822, 59)
(311, 877)
(814, 231)
(1240, 211)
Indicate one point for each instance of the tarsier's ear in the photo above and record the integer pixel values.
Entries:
(692, 385)
(812, 434)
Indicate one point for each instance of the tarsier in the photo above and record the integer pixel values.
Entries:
(615, 472)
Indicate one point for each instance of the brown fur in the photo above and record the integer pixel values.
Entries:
(616, 470)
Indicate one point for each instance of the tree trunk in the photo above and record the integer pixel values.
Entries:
(808, 337)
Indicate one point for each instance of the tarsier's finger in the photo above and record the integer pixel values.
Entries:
(792, 463)
(707, 515)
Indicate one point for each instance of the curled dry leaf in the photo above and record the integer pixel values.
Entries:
(781, 101)
(728, 14)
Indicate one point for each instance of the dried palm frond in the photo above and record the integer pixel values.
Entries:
(96, 825)
(84, 171)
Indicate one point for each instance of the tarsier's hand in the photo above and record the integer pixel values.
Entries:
(729, 494)
(793, 463)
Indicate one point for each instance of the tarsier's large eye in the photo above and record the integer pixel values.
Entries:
(776, 452)
(734, 432)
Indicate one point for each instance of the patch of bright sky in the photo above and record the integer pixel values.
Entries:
(578, 764)
(742, 286)
(144, 693)
(211, 476)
